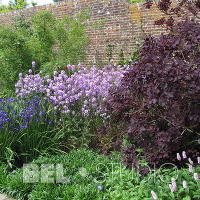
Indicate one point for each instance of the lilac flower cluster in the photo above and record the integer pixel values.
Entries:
(84, 91)
(29, 83)
(16, 114)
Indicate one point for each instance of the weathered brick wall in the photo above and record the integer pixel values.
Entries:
(122, 24)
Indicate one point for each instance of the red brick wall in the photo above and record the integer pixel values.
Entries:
(122, 23)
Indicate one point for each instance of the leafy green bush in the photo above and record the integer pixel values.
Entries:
(44, 39)
(72, 38)
(13, 5)
(4, 9)
(15, 57)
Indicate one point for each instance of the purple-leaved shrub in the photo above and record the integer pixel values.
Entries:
(159, 96)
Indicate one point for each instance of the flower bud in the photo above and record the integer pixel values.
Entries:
(190, 168)
(172, 187)
(178, 157)
(184, 155)
(198, 160)
(33, 64)
(196, 177)
(190, 161)
(184, 184)
(154, 195)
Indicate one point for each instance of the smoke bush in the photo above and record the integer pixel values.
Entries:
(159, 96)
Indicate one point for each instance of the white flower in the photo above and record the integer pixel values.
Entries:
(196, 177)
(198, 160)
(184, 155)
(190, 161)
(184, 184)
(178, 156)
(154, 195)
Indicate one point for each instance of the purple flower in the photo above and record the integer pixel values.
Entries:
(20, 75)
(33, 64)
(90, 86)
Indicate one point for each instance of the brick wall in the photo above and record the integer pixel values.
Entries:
(121, 24)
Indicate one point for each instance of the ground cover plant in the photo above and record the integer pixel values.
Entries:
(91, 176)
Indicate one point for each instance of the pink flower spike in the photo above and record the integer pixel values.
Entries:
(190, 168)
(190, 161)
(173, 180)
(196, 177)
(154, 195)
(184, 155)
(184, 184)
(172, 187)
(198, 160)
(178, 157)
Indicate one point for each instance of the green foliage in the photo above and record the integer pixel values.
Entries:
(13, 5)
(129, 186)
(78, 131)
(132, 56)
(36, 39)
(5, 9)
(15, 56)
(17, 4)
(42, 36)
(109, 51)
(85, 170)
(27, 130)
(72, 38)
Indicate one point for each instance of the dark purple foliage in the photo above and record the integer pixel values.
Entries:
(159, 97)
(183, 8)
(164, 5)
